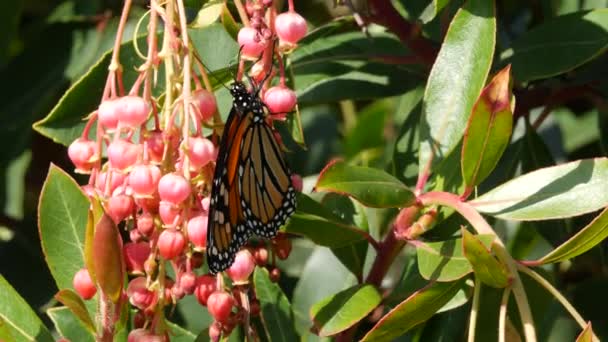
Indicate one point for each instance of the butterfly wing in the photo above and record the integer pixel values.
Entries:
(268, 197)
(226, 230)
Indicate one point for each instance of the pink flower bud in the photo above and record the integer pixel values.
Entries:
(290, 27)
(197, 230)
(107, 114)
(280, 100)
(83, 284)
(173, 188)
(123, 154)
(83, 153)
(205, 103)
(144, 179)
(132, 111)
(251, 45)
(171, 243)
(241, 269)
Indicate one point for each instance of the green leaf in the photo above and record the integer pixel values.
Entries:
(315, 222)
(309, 290)
(62, 220)
(68, 326)
(449, 97)
(344, 309)
(486, 267)
(565, 190)
(352, 66)
(405, 152)
(590, 236)
(488, 131)
(368, 132)
(559, 45)
(444, 261)
(179, 334)
(371, 187)
(73, 302)
(275, 308)
(416, 309)
(229, 23)
(18, 321)
(352, 213)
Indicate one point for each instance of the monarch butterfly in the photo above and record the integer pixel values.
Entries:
(252, 191)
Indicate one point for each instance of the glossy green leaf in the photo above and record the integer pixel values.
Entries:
(405, 152)
(73, 302)
(344, 309)
(559, 45)
(368, 132)
(590, 236)
(488, 131)
(315, 222)
(352, 66)
(62, 220)
(486, 267)
(68, 326)
(444, 261)
(416, 309)
(372, 187)
(352, 213)
(275, 308)
(229, 23)
(179, 334)
(586, 335)
(19, 322)
(309, 290)
(565, 190)
(449, 97)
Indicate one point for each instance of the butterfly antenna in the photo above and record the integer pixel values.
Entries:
(209, 72)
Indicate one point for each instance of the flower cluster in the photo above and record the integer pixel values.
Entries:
(156, 181)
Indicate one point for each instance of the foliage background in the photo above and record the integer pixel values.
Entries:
(45, 46)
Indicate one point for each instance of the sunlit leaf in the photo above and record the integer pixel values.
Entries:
(449, 97)
(561, 191)
(416, 309)
(488, 131)
(344, 309)
(19, 322)
(275, 308)
(487, 268)
(372, 187)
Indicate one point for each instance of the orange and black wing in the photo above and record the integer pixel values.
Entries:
(268, 196)
(226, 230)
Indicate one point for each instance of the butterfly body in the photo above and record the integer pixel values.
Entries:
(251, 191)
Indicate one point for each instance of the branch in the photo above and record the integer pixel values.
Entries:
(482, 227)
(384, 13)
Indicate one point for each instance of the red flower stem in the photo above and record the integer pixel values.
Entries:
(390, 248)
(291, 8)
(482, 227)
(115, 69)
